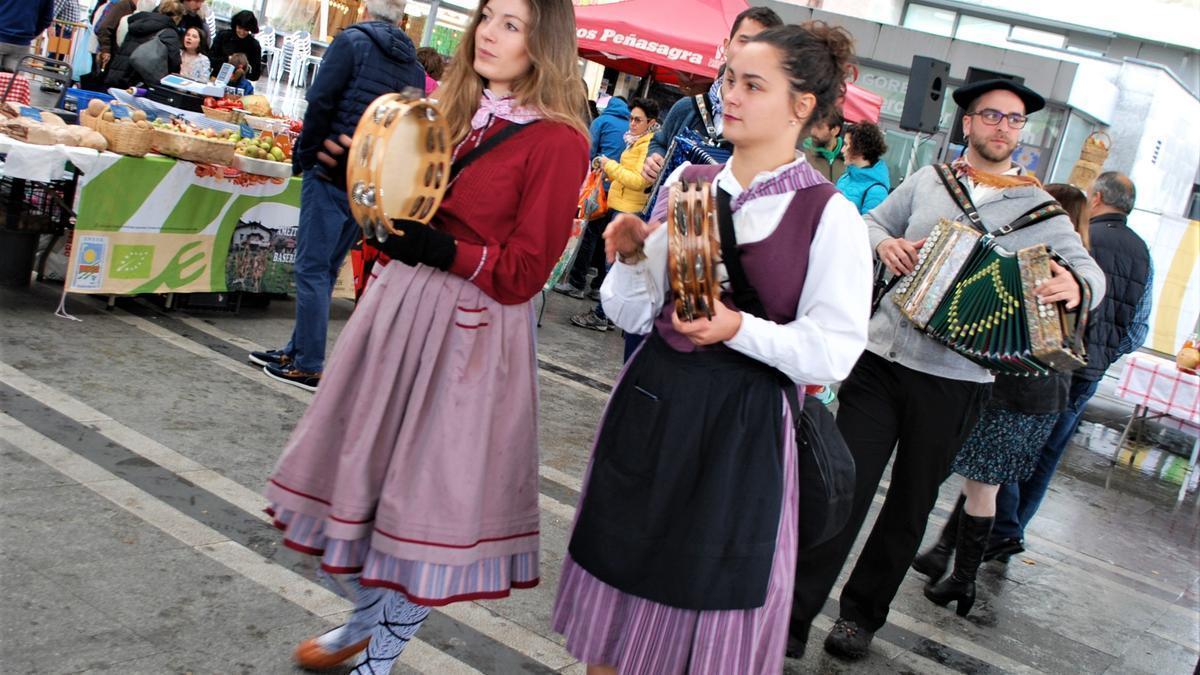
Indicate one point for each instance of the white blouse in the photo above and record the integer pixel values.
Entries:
(830, 330)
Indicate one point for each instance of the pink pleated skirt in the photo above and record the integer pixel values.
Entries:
(417, 462)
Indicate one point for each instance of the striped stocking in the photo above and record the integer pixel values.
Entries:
(399, 623)
(368, 605)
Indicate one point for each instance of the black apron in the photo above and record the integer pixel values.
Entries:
(683, 504)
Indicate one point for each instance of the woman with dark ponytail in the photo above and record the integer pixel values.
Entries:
(684, 547)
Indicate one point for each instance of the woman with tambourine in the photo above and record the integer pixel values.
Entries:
(414, 473)
(684, 548)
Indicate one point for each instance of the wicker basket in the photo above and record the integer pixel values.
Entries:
(223, 115)
(193, 148)
(125, 138)
(1095, 148)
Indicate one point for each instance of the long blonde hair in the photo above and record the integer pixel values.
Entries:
(548, 87)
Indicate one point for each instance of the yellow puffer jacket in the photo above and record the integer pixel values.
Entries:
(628, 190)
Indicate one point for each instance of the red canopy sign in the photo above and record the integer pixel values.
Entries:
(669, 37)
(660, 36)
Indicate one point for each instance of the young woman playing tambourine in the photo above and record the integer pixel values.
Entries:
(414, 472)
(683, 552)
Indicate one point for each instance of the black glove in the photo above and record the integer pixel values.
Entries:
(419, 244)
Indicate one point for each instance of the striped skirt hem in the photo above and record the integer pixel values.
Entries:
(425, 583)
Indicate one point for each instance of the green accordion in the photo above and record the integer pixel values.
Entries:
(977, 299)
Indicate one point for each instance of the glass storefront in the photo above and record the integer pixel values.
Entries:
(289, 16)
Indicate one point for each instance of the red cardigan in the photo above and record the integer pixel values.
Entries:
(516, 203)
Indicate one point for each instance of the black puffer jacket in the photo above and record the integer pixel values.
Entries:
(143, 27)
(227, 43)
(1123, 256)
(364, 62)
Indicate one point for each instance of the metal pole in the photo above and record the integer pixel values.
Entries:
(427, 34)
(912, 156)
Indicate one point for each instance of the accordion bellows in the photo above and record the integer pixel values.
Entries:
(977, 298)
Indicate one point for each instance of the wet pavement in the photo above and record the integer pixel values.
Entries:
(134, 446)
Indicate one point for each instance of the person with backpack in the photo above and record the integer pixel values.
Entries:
(866, 182)
(367, 60)
(683, 553)
(150, 49)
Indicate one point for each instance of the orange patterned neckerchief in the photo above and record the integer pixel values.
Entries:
(994, 180)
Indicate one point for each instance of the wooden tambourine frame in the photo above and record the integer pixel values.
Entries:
(399, 163)
(693, 249)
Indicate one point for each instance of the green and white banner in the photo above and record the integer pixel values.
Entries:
(159, 225)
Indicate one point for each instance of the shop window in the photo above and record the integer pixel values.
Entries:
(227, 8)
(983, 31)
(930, 20)
(1041, 38)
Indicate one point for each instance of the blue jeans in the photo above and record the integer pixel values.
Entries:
(326, 233)
(1017, 503)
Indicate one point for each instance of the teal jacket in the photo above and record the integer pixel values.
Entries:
(866, 187)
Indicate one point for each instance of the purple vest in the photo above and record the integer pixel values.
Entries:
(776, 266)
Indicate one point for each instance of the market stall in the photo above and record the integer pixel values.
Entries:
(160, 225)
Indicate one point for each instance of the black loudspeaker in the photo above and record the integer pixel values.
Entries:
(976, 75)
(927, 80)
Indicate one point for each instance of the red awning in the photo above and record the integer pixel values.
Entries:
(670, 37)
(659, 36)
(861, 105)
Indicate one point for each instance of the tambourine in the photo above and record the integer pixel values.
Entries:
(694, 248)
(399, 163)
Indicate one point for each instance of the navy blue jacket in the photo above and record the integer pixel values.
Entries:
(608, 131)
(23, 20)
(364, 62)
(1123, 256)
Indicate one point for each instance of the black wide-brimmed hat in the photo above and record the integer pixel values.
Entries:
(967, 94)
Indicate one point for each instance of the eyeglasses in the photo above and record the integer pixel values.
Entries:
(639, 120)
(992, 118)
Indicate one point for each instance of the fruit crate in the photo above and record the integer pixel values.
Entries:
(33, 206)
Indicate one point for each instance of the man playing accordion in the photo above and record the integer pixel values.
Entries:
(912, 395)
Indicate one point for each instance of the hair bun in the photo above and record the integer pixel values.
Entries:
(838, 41)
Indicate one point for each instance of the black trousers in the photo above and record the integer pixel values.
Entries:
(885, 407)
(591, 253)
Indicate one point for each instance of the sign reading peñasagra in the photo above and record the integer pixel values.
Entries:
(632, 40)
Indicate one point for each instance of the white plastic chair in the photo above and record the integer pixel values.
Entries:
(297, 59)
(315, 62)
(280, 63)
(266, 39)
(210, 25)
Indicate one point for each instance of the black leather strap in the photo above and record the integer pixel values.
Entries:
(487, 145)
(744, 294)
(959, 193)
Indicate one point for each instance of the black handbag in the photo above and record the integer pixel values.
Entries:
(824, 463)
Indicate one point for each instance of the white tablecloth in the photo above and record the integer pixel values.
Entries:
(1155, 383)
(44, 162)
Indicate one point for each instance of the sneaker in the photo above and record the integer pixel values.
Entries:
(566, 288)
(590, 319)
(846, 640)
(577, 293)
(293, 376)
(275, 356)
(594, 295)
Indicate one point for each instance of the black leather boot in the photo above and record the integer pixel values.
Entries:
(973, 534)
(934, 562)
